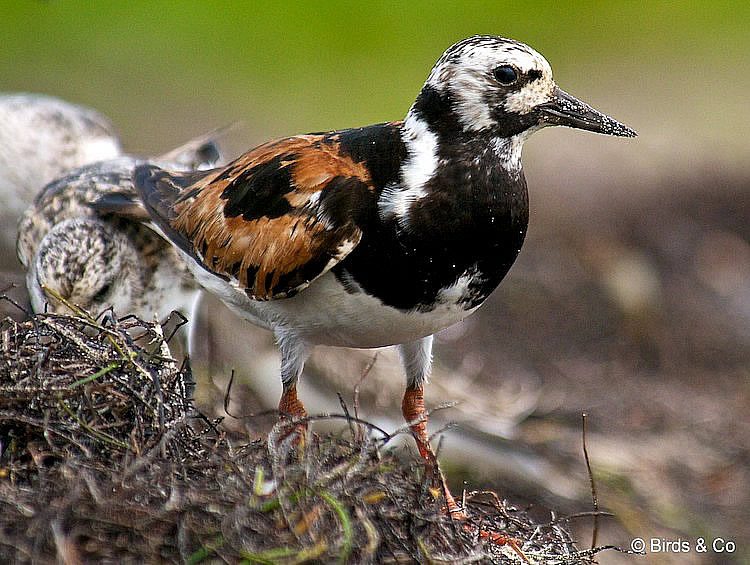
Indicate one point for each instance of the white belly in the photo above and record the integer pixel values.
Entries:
(325, 314)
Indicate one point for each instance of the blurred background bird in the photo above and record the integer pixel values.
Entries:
(630, 297)
(41, 137)
(76, 257)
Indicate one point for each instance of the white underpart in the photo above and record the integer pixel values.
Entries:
(458, 291)
(357, 320)
(419, 167)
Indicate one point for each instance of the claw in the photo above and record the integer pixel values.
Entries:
(414, 413)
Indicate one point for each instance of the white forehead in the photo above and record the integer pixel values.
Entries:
(480, 54)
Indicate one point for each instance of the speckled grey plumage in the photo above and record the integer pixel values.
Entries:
(41, 137)
(97, 262)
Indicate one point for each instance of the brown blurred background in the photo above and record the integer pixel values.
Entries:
(630, 300)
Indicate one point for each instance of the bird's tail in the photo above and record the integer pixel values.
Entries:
(161, 191)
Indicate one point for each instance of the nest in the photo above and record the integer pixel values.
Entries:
(105, 459)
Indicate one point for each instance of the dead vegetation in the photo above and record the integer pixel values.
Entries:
(104, 459)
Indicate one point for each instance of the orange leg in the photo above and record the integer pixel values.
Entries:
(290, 407)
(414, 411)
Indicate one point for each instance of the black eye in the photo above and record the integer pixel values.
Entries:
(505, 74)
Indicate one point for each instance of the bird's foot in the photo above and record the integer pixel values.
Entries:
(292, 426)
(414, 412)
(496, 538)
(458, 513)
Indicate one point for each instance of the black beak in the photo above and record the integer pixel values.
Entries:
(566, 110)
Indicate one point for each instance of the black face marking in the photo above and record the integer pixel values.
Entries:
(508, 124)
(259, 191)
(534, 74)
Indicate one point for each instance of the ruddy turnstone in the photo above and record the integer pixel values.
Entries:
(98, 262)
(379, 235)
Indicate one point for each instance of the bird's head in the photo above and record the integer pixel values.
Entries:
(502, 87)
(86, 263)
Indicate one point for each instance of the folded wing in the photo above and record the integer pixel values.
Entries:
(272, 221)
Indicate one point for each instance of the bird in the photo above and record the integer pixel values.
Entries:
(378, 235)
(73, 255)
(41, 137)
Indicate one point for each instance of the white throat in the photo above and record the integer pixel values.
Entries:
(508, 151)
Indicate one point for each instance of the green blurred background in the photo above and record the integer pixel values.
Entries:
(163, 70)
(678, 72)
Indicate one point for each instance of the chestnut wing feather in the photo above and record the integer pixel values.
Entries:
(272, 221)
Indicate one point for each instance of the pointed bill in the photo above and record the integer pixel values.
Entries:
(566, 110)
